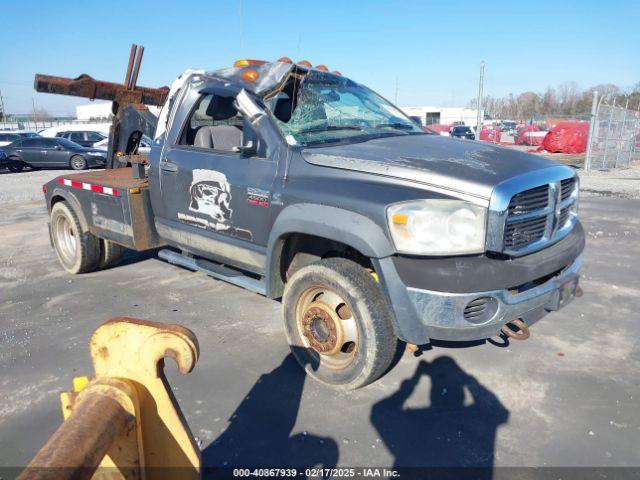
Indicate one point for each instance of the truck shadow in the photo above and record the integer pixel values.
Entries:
(259, 434)
(457, 428)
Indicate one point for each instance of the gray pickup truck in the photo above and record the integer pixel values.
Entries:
(305, 186)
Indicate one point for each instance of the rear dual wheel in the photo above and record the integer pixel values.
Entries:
(338, 324)
(78, 250)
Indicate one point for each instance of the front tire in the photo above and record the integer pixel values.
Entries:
(15, 166)
(78, 162)
(78, 251)
(338, 324)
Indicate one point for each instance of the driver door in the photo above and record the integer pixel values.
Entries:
(211, 190)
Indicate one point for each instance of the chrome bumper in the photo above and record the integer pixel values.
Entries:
(442, 314)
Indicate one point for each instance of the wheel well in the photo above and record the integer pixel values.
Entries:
(55, 199)
(300, 250)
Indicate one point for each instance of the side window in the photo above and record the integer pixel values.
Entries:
(48, 143)
(9, 137)
(62, 134)
(32, 142)
(214, 124)
(94, 136)
(76, 137)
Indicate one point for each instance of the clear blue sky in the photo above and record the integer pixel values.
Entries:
(433, 47)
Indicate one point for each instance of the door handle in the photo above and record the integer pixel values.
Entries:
(168, 166)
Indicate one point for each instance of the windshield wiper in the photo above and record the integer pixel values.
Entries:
(330, 128)
(401, 126)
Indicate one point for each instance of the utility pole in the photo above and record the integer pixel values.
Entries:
(480, 88)
(241, 16)
(3, 113)
(33, 103)
(396, 101)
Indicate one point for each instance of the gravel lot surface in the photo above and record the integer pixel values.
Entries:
(624, 182)
(569, 396)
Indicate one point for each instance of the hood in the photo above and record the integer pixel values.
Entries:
(466, 169)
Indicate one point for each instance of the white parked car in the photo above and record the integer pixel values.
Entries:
(86, 135)
(144, 148)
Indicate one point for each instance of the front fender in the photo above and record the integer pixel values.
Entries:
(350, 228)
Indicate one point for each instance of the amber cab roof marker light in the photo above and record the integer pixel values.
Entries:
(250, 75)
(322, 67)
(245, 62)
(304, 63)
(336, 72)
(285, 60)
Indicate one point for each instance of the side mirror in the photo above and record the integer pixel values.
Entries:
(58, 147)
(247, 150)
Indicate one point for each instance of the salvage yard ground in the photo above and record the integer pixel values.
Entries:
(569, 396)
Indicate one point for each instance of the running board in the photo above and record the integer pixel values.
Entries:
(215, 270)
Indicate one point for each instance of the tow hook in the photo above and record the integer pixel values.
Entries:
(521, 334)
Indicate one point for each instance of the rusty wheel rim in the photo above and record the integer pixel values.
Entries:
(327, 325)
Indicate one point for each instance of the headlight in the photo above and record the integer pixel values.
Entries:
(437, 227)
(95, 153)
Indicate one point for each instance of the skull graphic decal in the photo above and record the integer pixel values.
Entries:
(211, 195)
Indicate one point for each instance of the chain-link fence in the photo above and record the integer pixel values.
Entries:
(42, 124)
(614, 136)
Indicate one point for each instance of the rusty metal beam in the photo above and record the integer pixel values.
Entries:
(76, 449)
(132, 54)
(88, 87)
(136, 68)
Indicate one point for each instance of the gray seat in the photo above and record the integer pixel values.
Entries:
(218, 137)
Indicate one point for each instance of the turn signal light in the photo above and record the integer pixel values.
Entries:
(400, 218)
(250, 75)
(245, 62)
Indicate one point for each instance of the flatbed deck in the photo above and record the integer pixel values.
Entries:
(119, 178)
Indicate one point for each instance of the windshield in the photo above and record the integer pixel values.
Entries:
(328, 108)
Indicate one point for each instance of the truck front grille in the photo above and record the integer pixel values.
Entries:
(524, 232)
(535, 216)
(529, 201)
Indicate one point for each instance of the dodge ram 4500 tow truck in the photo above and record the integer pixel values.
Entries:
(305, 186)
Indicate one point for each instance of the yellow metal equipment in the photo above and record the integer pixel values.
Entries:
(125, 423)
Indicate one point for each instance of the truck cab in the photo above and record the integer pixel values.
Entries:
(311, 189)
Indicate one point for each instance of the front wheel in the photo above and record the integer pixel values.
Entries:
(78, 162)
(338, 324)
(15, 166)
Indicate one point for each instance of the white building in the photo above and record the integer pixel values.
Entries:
(431, 115)
(101, 111)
